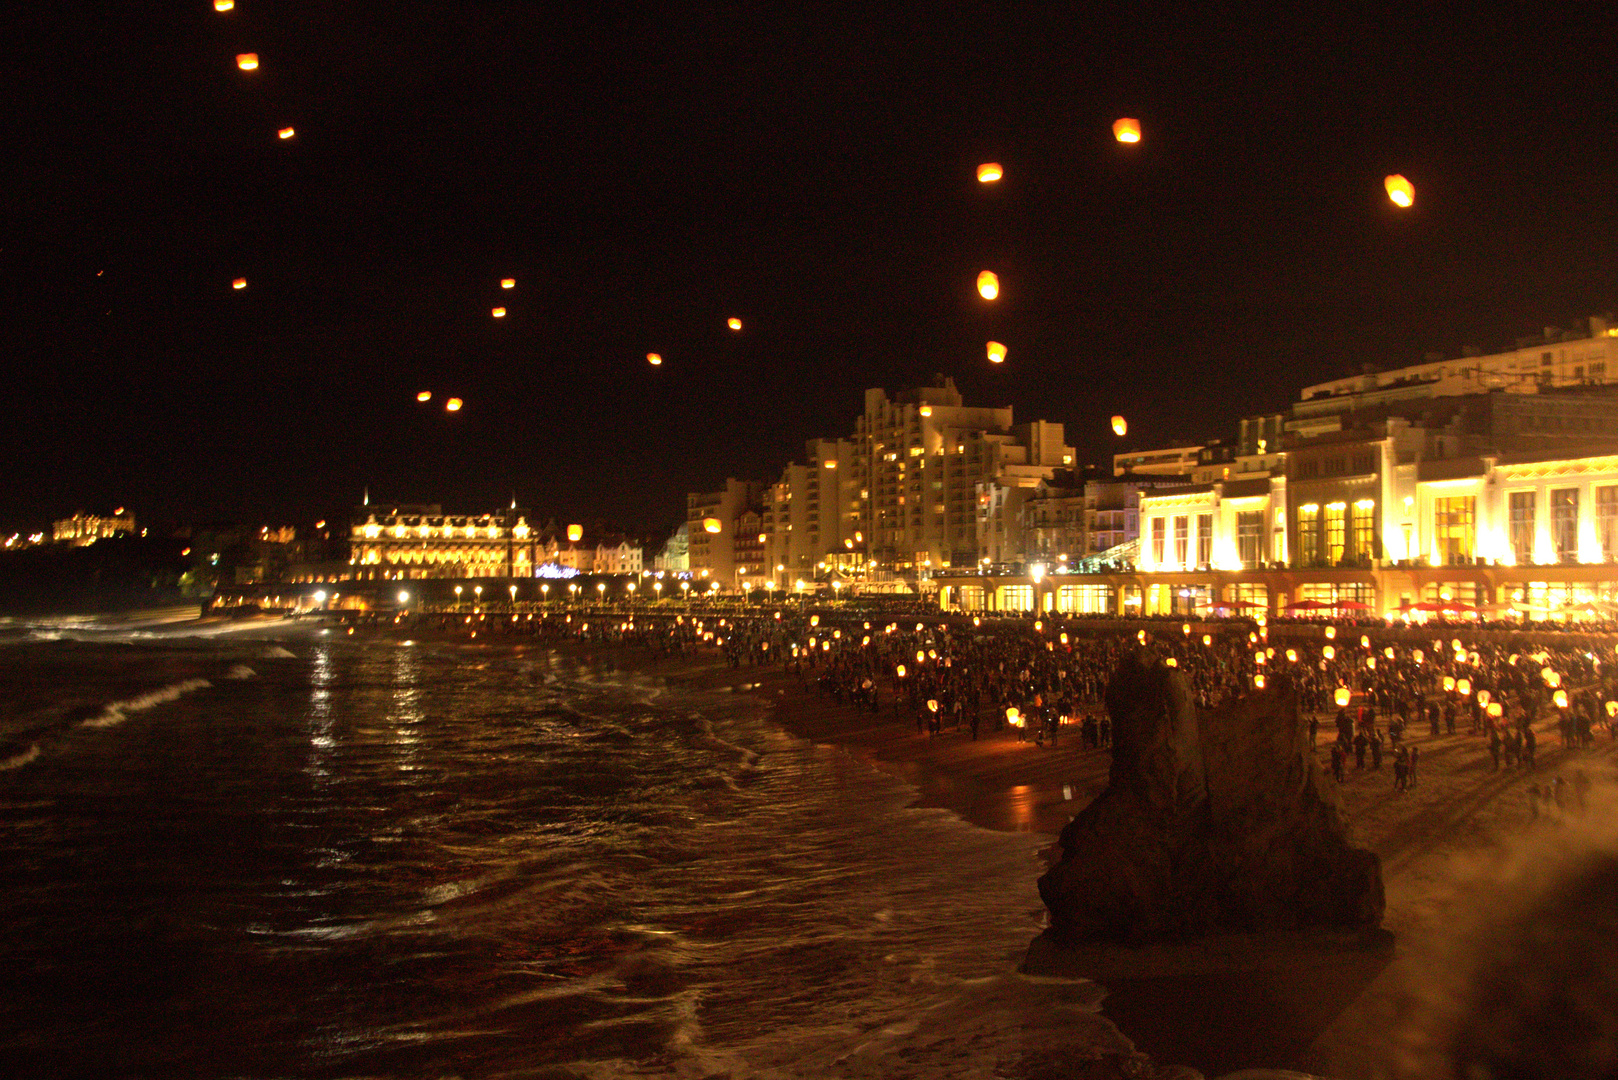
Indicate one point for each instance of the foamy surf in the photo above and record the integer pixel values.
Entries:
(16, 761)
(119, 711)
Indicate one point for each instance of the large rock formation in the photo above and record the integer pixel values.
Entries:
(1212, 822)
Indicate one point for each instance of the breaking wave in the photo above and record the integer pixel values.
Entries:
(119, 711)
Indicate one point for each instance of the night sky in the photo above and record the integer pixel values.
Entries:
(645, 175)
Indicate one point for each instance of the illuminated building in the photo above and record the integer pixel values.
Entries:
(404, 542)
(83, 529)
(675, 554)
(711, 529)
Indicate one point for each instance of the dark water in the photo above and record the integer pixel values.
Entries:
(321, 857)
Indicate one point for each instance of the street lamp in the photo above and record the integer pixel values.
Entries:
(457, 596)
(545, 593)
(513, 590)
(404, 598)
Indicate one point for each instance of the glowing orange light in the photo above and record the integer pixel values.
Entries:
(988, 285)
(711, 525)
(239, 283)
(1329, 653)
(452, 405)
(223, 5)
(899, 671)
(1400, 190)
(1126, 129)
(425, 395)
(734, 324)
(1331, 632)
(498, 313)
(1560, 697)
(575, 533)
(997, 352)
(286, 133)
(989, 172)
(247, 61)
(1258, 682)
(1342, 696)
(508, 283)
(654, 359)
(1495, 710)
(1120, 426)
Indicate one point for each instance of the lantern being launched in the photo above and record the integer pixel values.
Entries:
(1126, 129)
(988, 285)
(997, 353)
(247, 61)
(989, 172)
(1400, 190)
(1120, 426)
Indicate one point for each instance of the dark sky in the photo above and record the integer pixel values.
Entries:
(645, 175)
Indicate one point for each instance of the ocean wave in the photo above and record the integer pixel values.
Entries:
(16, 761)
(119, 711)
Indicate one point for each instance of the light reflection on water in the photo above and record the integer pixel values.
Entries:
(385, 860)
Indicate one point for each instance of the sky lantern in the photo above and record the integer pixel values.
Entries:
(899, 671)
(712, 525)
(452, 405)
(239, 283)
(997, 353)
(498, 313)
(734, 323)
(1495, 710)
(1292, 656)
(988, 285)
(286, 133)
(1172, 662)
(1560, 697)
(1329, 653)
(247, 61)
(1119, 426)
(1463, 687)
(1449, 683)
(1400, 190)
(989, 172)
(1331, 632)
(654, 359)
(1258, 682)
(1342, 696)
(1207, 639)
(575, 533)
(508, 283)
(223, 5)
(1126, 129)
(425, 395)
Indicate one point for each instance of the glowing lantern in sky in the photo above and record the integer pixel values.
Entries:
(734, 324)
(1119, 425)
(223, 5)
(711, 525)
(247, 61)
(575, 533)
(1342, 696)
(286, 133)
(1612, 708)
(1329, 653)
(1365, 641)
(1126, 129)
(498, 313)
(989, 172)
(899, 671)
(1388, 652)
(1331, 632)
(1560, 697)
(508, 283)
(425, 395)
(988, 285)
(1292, 656)
(1417, 656)
(654, 359)
(452, 405)
(1258, 682)
(239, 283)
(997, 352)
(1400, 190)
(1207, 639)
(925, 410)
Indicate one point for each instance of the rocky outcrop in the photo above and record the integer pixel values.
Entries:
(1211, 822)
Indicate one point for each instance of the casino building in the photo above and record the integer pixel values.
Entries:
(400, 543)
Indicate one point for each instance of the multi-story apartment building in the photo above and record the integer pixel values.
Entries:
(711, 527)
